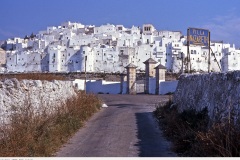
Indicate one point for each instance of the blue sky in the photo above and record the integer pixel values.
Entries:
(221, 17)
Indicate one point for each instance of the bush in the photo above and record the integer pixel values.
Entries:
(42, 134)
(192, 136)
(34, 76)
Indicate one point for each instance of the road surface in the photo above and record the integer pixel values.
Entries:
(126, 128)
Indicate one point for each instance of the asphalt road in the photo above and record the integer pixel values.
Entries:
(126, 128)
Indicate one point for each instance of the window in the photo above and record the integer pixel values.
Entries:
(121, 51)
(165, 60)
(83, 52)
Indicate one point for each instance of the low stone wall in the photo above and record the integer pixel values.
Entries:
(40, 95)
(165, 87)
(218, 92)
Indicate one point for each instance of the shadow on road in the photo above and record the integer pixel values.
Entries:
(150, 141)
(122, 105)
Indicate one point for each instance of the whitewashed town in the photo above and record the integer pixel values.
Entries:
(109, 48)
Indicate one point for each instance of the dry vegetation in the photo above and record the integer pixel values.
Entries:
(193, 135)
(34, 76)
(29, 134)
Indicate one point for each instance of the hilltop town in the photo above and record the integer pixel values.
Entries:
(109, 48)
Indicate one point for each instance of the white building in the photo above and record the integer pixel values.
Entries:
(109, 48)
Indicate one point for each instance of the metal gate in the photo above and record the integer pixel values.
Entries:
(140, 83)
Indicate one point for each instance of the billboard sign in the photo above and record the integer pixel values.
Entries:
(198, 36)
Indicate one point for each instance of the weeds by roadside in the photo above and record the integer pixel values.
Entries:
(34, 76)
(42, 134)
(192, 135)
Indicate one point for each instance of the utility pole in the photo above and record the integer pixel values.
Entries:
(85, 82)
(209, 48)
(188, 54)
(182, 61)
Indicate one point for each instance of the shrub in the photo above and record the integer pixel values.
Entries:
(192, 135)
(34, 76)
(42, 134)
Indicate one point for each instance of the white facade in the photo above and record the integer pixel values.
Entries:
(109, 48)
(2, 57)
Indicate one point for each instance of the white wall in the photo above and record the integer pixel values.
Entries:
(40, 95)
(101, 86)
(164, 86)
(167, 87)
(218, 92)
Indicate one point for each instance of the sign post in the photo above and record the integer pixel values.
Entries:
(200, 37)
(85, 81)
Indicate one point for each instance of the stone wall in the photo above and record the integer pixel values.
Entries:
(219, 92)
(39, 95)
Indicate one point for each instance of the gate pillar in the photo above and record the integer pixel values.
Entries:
(131, 78)
(149, 72)
(160, 76)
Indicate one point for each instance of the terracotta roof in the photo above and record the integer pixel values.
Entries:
(131, 66)
(160, 66)
(150, 60)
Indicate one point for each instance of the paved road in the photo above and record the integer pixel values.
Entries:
(126, 128)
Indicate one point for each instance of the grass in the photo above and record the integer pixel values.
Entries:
(34, 76)
(193, 135)
(42, 134)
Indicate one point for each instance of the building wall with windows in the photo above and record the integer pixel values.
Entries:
(2, 57)
(109, 48)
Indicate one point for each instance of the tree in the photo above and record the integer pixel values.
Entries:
(26, 37)
(32, 36)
